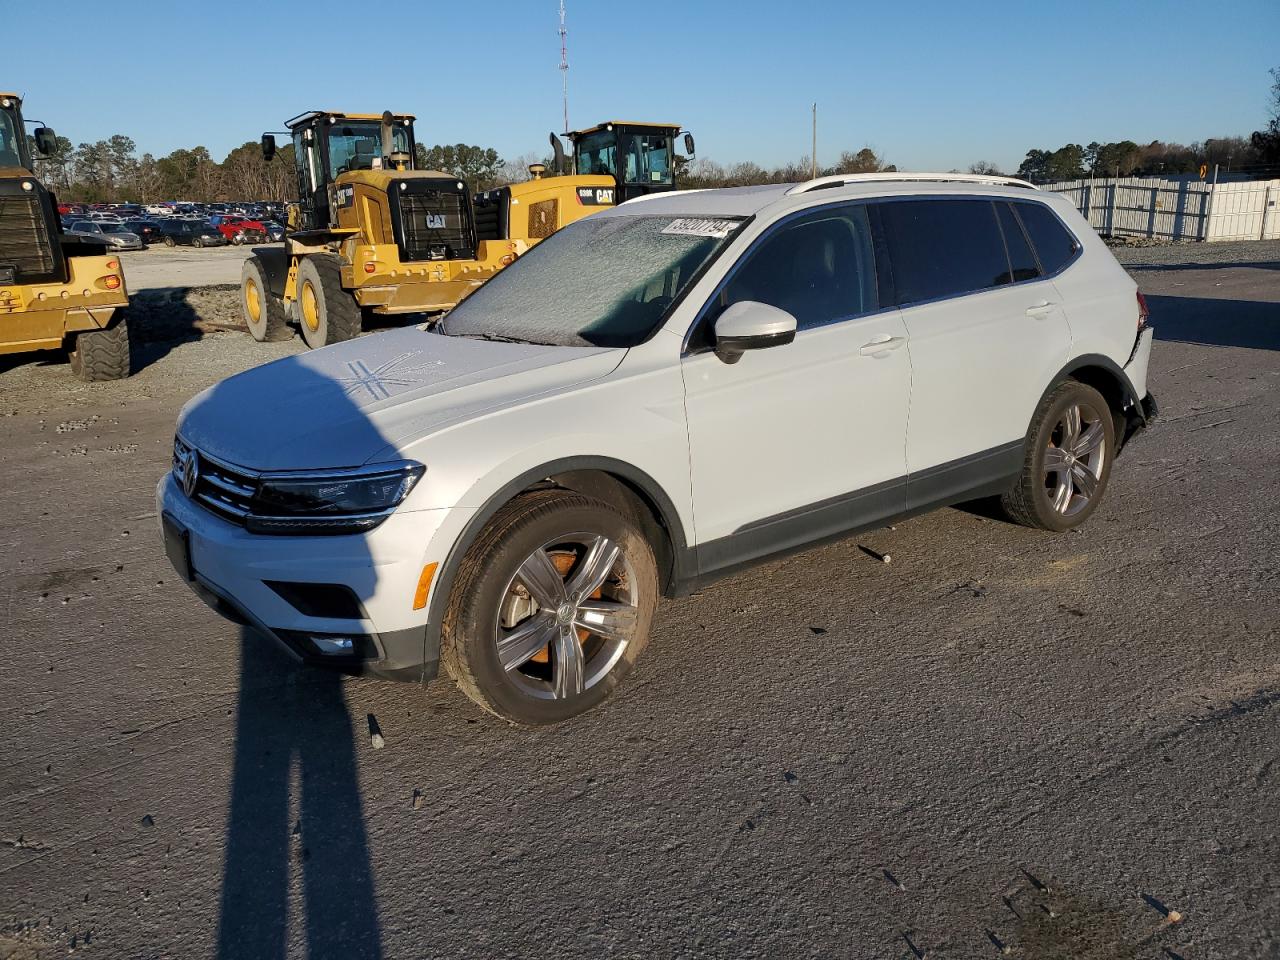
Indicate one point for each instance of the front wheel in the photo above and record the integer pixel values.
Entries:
(551, 608)
(263, 314)
(170, 242)
(327, 312)
(1070, 445)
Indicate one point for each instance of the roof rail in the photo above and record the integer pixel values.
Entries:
(845, 179)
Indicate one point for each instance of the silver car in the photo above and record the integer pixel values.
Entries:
(114, 235)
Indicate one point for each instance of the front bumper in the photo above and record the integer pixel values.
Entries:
(230, 569)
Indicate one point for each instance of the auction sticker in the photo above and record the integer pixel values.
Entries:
(700, 227)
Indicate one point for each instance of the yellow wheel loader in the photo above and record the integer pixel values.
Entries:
(373, 235)
(612, 162)
(56, 292)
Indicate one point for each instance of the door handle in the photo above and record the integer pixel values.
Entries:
(881, 345)
(1041, 309)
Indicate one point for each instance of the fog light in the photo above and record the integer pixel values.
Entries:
(334, 646)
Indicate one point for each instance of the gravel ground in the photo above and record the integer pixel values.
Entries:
(1063, 746)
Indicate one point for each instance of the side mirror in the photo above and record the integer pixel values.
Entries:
(688, 144)
(557, 148)
(750, 325)
(46, 141)
(268, 147)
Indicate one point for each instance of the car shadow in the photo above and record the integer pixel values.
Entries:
(1219, 323)
(295, 832)
(292, 725)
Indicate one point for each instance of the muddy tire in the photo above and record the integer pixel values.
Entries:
(326, 312)
(550, 609)
(263, 314)
(1069, 449)
(101, 354)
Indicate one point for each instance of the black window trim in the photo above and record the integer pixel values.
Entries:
(687, 349)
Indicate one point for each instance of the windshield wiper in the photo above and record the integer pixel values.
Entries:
(500, 338)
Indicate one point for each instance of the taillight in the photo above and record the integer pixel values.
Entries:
(1143, 313)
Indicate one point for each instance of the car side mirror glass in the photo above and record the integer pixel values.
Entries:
(268, 147)
(46, 141)
(557, 149)
(688, 144)
(750, 325)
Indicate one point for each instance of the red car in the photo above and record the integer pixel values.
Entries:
(242, 230)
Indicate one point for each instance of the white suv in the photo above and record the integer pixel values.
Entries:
(654, 396)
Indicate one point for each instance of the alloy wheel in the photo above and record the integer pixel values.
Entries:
(566, 616)
(1075, 458)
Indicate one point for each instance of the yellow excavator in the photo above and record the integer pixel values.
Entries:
(371, 234)
(56, 292)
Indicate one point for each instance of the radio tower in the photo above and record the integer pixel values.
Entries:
(564, 66)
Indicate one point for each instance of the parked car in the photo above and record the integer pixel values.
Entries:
(659, 394)
(148, 230)
(115, 235)
(275, 231)
(191, 233)
(241, 230)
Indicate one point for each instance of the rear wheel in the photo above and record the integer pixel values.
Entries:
(170, 242)
(550, 609)
(326, 312)
(263, 314)
(101, 354)
(1070, 446)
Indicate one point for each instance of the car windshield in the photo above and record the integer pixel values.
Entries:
(602, 281)
(114, 228)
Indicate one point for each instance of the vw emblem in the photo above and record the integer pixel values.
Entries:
(190, 473)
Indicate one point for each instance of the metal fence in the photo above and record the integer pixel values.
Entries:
(1177, 209)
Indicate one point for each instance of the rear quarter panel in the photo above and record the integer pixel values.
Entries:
(1099, 297)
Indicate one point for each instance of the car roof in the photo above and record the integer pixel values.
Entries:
(751, 201)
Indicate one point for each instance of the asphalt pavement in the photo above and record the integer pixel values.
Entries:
(1003, 742)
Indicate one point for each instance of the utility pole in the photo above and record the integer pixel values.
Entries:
(813, 156)
(564, 66)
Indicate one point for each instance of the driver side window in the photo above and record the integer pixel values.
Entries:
(819, 267)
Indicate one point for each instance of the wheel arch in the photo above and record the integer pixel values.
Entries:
(1109, 379)
(622, 485)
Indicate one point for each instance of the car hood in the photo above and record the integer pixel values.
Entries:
(353, 402)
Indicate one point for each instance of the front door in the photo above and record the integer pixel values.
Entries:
(801, 441)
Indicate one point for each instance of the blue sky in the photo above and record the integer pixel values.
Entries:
(929, 85)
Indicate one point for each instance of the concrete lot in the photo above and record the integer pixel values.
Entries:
(159, 266)
(1001, 739)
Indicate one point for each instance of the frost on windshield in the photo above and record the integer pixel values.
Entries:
(603, 282)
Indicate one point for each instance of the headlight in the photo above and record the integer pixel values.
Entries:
(329, 502)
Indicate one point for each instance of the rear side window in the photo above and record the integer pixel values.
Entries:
(1022, 262)
(820, 268)
(942, 248)
(1052, 241)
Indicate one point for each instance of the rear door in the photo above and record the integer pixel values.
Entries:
(987, 333)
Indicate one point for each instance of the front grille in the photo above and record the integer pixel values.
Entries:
(223, 489)
(25, 242)
(435, 225)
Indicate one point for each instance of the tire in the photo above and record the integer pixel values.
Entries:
(1063, 479)
(101, 354)
(490, 608)
(197, 242)
(170, 242)
(263, 314)
(326, 312)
